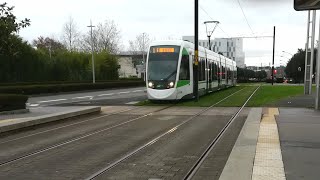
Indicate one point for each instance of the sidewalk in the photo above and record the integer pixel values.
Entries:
(276, 143)
(42, 115)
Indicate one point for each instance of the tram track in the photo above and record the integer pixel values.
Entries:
(194, 169)
(68, 125)
(154, 140)
(57, 145)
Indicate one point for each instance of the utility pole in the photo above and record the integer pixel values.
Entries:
(196, 47)
(92, 51)
(50, 49)
(144, 64)
(273, 54)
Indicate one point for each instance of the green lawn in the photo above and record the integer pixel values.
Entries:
(265, 96)
(210, 99)
(270, 95)
(238, 99)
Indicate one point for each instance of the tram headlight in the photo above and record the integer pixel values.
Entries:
(171, 84)
(150, 84)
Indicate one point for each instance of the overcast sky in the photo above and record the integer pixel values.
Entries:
(171, 19)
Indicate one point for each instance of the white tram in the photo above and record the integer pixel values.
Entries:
(170, 76)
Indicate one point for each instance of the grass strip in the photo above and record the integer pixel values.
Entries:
(270, 95)
(238, 99)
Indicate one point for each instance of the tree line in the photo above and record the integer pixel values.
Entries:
(68, 59)
(296, 66)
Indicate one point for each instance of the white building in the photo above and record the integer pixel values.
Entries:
(229, 47)
(131, 65)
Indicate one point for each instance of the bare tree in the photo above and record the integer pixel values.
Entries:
(106, 37)
(141, 44)
(70, 34)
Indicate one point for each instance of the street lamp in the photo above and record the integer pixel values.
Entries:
(287, 53)
(209, 33)
(285, 57)
(92, 51)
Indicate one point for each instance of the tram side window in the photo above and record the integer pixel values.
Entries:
(214, 71)
(184, 68)
(223, 72)
(201, 70)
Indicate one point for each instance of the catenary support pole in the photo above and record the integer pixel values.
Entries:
(314, 17)
(273, 54)
(196, 46)
(306, 79)
(317, 105)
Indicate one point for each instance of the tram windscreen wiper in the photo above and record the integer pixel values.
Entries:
(167, 78)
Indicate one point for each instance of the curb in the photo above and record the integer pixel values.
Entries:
(241, 159)
(19, 111)
(15, 124)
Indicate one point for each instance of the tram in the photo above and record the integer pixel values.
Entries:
(170, 74)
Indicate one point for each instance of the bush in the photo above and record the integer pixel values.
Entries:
(55, 88)
(10, 102)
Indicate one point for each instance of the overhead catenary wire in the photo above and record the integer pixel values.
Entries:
(213, 19)
(245, 17)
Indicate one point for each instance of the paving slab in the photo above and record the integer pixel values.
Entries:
(300, 142)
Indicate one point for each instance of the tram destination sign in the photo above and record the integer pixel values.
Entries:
(164, 49)
(304, 5)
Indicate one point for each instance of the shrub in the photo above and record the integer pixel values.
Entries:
(10, 102)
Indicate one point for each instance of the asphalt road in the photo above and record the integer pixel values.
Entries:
(127, 96)
(79, 150)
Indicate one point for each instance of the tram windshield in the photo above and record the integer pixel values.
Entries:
(162, 63)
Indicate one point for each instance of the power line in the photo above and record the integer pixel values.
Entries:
(213, 19)
(245, 16)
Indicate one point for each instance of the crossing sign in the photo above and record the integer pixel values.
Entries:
(303, 5)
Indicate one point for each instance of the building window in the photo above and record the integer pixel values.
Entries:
(219, 43)
(234, 49)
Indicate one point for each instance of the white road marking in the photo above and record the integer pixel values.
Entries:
(33, 105)
(133, 102)
(106, 94)
(137, 91)
(84, 97)
(124, 92)
(55, 100)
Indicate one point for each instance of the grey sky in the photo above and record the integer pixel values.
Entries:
(171, 19)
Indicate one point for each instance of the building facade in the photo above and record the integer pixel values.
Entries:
(131, 65)
(229, 47)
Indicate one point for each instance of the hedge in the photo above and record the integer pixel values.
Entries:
(66, 82)
(10, 102)
(56, 88)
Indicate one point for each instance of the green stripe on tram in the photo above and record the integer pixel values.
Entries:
(185, 52)
(183, 83)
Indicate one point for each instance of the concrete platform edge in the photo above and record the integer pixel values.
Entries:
(32, 121)
(241, 160)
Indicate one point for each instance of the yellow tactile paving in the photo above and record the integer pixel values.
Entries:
(11, 120)
(273, 111)
(268, 164)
